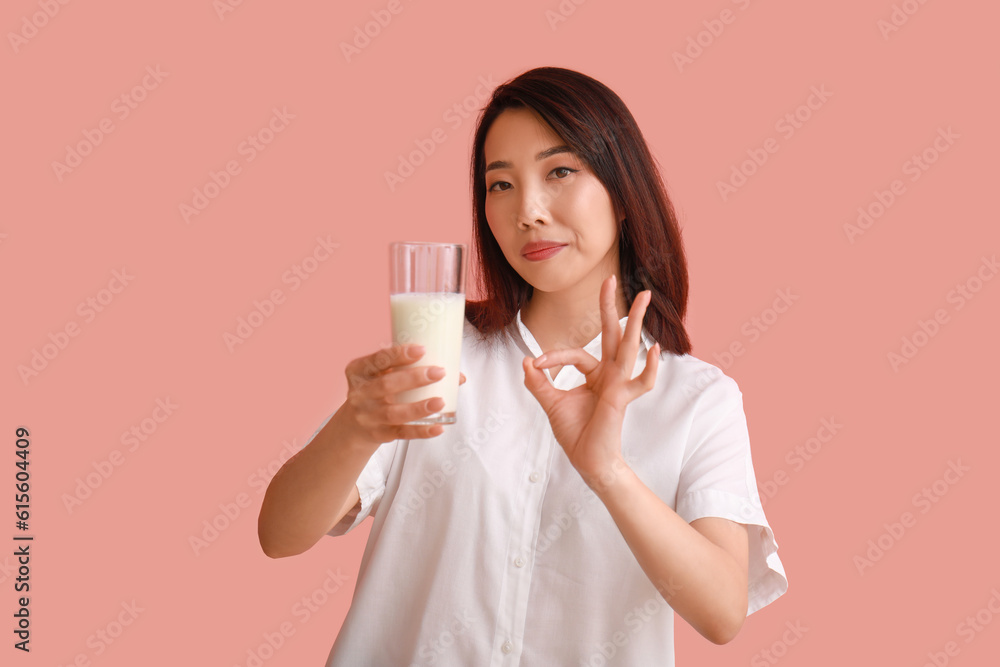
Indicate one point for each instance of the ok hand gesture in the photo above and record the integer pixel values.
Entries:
(587, 420)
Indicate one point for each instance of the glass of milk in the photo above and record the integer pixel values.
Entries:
(427, 305)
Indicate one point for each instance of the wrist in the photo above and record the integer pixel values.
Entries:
(352, 436)
(610, 478)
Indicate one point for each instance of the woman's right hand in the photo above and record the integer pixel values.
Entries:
(372, 384)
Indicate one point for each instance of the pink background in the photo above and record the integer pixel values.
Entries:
(62, 237)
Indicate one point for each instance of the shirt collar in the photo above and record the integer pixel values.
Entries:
(593, 347)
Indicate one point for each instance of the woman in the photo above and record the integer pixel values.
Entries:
(591, 479)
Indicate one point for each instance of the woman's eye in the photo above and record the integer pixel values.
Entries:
(559, 172)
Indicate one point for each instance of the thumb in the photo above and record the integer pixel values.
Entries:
(538, 383)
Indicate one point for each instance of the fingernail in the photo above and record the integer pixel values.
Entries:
(416, 350)
(539, 360)
(435, 373)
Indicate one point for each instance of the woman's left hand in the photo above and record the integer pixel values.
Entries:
(587, 420)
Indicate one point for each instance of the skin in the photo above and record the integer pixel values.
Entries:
(700, 568)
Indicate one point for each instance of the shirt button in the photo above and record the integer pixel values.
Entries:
(507, 647)
(519, 562)
(534, 477)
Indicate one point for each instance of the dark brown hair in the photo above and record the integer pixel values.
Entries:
(592, 120)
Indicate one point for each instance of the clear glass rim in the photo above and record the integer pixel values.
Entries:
(426, 243)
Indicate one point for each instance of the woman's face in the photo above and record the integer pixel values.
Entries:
(539, 191)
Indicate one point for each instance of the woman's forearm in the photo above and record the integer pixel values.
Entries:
(702, 581)
(313, 490)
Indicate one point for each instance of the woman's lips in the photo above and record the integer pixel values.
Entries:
(545, 253)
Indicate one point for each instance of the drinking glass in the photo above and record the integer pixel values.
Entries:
(427, 307)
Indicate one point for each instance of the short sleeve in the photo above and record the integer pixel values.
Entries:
(717, 480)
(371, 485)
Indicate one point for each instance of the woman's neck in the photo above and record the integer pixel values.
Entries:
(564, 320)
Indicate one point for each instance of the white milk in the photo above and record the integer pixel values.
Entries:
(434, 320)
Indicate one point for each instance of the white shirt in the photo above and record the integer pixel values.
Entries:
(488, 548)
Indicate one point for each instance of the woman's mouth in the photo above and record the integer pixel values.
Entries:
(537, 251)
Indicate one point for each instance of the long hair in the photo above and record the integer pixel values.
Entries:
(593, 121)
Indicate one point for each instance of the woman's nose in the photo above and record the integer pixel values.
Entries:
(533, 207)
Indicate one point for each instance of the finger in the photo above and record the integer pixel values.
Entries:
(633, 330)
(610, 330)
(391, 383)
(461, 378)
(574, 356)
(538, 384)
(379, 414)
(646, 380)
(373, 365)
